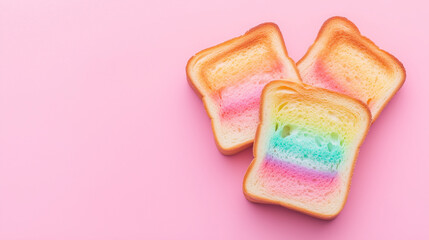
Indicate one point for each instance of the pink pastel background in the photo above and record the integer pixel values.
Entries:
(102, 138)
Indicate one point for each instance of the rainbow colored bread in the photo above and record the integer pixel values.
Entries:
(230, 77)
(305, 148)
(342, 60)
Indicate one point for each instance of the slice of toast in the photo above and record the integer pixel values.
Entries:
(305, 148)
(230, 77)
(343, 60)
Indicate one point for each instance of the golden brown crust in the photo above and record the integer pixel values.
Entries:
(257, 199)
(248, 43)
(365, 44)
(202, 94)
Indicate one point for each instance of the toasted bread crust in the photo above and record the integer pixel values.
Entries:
(258, 199)
(366, 45)
(201, 93)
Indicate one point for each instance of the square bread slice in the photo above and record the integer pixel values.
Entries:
(305, 148)
(230, 77)
(343, 60)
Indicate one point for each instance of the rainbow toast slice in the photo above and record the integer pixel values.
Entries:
(305, 148)
(343, 60)
(230, 77)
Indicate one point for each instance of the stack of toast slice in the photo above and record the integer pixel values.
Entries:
(307, 122)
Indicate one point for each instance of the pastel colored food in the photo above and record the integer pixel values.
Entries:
(343, 60)
(305, 148)
(230, 77)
